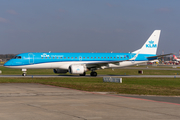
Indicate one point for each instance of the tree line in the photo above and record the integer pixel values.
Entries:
(5, 57)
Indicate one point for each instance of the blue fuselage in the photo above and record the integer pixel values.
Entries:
(30, 60)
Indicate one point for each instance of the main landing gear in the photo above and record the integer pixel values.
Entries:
(93, 74)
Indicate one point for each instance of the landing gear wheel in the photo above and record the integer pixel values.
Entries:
(94, 74)
(84, 74)
(24, 74)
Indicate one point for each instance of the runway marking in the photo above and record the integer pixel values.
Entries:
(145, 99)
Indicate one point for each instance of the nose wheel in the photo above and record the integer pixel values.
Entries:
(24, 74)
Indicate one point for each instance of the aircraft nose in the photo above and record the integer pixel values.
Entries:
(8, 63)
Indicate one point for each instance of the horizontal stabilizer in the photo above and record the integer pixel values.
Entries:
(161, 55)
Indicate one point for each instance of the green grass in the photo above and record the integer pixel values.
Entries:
(140, 86)
(123, 71)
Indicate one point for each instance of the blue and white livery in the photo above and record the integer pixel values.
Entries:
(79, 63)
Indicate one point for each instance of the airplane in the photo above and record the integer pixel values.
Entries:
(176, 58)
(80, 63)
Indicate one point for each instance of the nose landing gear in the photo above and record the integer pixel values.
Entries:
(24, 72)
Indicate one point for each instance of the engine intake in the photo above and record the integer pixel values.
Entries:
(77, 69)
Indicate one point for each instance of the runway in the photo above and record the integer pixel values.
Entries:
(19, 101)
(137, 76)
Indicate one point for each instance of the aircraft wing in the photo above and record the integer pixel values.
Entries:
(99, 64)
(104, 63)
(160, 55)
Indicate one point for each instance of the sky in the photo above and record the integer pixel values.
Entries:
(87, 25)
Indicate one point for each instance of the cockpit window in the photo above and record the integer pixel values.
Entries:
(17, 57)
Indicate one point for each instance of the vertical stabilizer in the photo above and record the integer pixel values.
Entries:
(175, 57)
(151, 45)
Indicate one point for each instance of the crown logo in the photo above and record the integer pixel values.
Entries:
(151, 42)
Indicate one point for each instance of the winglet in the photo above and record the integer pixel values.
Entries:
(159, 56)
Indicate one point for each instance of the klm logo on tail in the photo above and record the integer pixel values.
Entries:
(151, 45)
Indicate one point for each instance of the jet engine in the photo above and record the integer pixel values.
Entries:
(60, 71)
(77, 69)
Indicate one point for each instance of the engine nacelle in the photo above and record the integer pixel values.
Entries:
(60, 71)
(77, 69)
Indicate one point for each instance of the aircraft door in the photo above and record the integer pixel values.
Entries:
(31, 58)
(80, 58)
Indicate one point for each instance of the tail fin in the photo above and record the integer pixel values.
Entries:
(151, 45)
(175, 57)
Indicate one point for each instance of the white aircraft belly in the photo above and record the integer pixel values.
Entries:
(52, 65)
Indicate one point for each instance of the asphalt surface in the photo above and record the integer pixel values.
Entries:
(29, 101)
(175, 99)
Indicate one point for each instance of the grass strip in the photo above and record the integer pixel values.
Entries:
(8, 71)
(140, 86)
